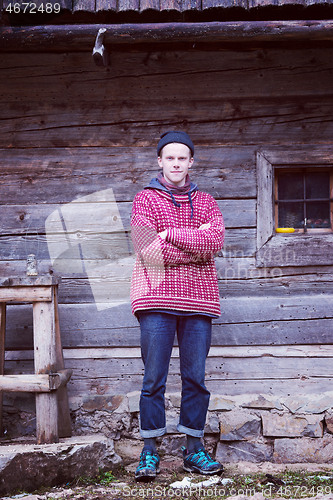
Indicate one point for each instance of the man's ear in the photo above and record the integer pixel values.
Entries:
(191, 162)
(159, 161)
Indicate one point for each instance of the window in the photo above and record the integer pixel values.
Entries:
(295, 191)
(303, 200)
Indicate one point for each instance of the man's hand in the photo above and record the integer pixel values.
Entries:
(164, 233)
(205, 226)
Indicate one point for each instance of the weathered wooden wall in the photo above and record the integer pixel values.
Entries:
(69, 129)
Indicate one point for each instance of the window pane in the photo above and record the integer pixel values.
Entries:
(317, 185)
(290, 187)
(291, 215)
(318, 214)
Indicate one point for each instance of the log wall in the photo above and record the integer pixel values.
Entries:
(70, 129)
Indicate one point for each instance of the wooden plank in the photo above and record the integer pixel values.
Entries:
(281, 111)
(64, 419)
(283, 251)
(16, 218)
(126, 5)
(265, 213)
(234, 117)
(31, 10)
(103, 247)
(258, 368)
(149, 5)
(25, 294)
(237, 275)
(110, 5)
(308, 154)
(217, 368)
(25, 383)
(35, 174)
(28, 281)
(45, 361)
(81, 37)
(135, 78)
(82, 389)
(250, 351)
(81, 326)
(239, 243)
(83, 5)
(2, 352)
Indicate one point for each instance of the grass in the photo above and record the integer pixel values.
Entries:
(120, 485)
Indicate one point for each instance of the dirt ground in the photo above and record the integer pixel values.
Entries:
(124, 487)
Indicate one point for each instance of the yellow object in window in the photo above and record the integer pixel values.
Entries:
(285, 229)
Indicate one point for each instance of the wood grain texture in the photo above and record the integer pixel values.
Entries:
(274, 320)
(45, 362)
(70, 130)
(168, 5)
(60, 37)
(224, 106)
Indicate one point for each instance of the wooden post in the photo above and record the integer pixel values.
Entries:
(45, 362)
(64, 420)
(2, 350)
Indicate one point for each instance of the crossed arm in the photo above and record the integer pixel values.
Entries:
(175, 246)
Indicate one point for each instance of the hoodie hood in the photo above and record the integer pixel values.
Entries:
(155, 184)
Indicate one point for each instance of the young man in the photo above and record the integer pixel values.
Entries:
(176, 231)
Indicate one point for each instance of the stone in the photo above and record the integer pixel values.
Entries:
(329, 421)
(172, 420)
(238, 425)
(220, 403)
(315, 450)
(30, 466)
(309, 403)
(134, 401)
(247, 451)
(262, 403)
(318, 405)
(287, 425)
(256, 496)
(174, 398)
(212, 425)
(105, 402)
(171, 444)
(294, 403)
(129, 449)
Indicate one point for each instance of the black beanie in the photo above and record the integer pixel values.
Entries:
(175, 136)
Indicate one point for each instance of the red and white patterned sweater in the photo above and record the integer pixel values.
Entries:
(177, 273)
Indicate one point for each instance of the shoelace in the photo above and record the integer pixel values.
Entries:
(201, 457)
(147, 461)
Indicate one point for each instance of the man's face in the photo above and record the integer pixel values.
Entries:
(175, 161)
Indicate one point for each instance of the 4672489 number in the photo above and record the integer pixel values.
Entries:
(32, 8)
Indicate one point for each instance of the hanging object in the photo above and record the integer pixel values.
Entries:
(31, 265)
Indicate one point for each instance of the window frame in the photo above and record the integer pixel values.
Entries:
(304, 169)
(283, 250)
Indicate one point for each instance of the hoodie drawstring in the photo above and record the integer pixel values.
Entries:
(190, 200)
(178, 204)
(174, 199)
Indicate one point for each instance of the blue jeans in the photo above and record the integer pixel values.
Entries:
(157, 338)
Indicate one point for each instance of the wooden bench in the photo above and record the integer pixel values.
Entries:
(49, 382)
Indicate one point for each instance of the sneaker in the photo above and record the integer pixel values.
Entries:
(148, 466)
(199, 461)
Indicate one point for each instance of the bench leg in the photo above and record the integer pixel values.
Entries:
(2, 351)
(64, 419)
(45, 362)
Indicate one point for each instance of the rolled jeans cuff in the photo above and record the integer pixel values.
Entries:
(191, 432)
(152, 433)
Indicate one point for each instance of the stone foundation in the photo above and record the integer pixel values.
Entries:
(252, 428)
(29, 466)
